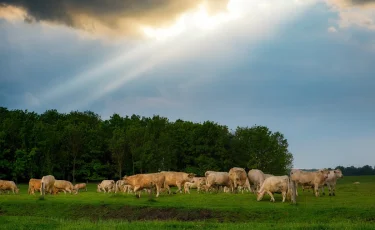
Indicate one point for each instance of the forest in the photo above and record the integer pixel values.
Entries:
(80, 146)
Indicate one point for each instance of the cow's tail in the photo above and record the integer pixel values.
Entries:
(292, 188)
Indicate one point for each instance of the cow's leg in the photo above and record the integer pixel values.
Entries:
(271, 195)
(179, 185)
(296, 189)
(316, 188)
(136, 188)
(284, 196)
(157, 189)
(333, 189)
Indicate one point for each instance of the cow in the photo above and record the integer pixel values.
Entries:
(120, 186)
(176, 179)
(256, 178)
(6, 185)
(148, 180)
(65, 186)
(331, 180)
(237, 177)
(216, 179)
(106, 186)
(187, 186)
(316, 178)
(198, 182)
(34, 185)
(79, 186)
(274, 184)
(245, 187)
(46, 184)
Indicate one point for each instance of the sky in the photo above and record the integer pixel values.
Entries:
(305, 68)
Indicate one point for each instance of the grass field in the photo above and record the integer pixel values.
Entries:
(353, 207)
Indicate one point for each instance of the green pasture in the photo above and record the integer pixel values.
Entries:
(353, 207)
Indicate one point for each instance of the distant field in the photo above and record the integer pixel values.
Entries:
(353, 207)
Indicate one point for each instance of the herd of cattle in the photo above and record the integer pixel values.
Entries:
(236, 180)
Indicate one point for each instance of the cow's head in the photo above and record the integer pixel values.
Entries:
(17, 190)
(98, 188)
(338, 173)
(324, 173)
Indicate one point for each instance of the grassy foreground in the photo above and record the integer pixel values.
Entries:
(353, 207)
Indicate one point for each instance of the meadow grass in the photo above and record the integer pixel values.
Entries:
(353, 207)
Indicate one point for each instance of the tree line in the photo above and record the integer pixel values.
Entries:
(80, 146)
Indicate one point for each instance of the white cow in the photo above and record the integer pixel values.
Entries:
(256, 178)
(106, 186)
(331, 180)
(47, 184)
(274, 184)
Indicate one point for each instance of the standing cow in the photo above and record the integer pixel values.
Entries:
(316, 178)
(34, 185)
(177, 179)
(331, 180)
(148, 180)
(217, 179)
(237, 177)
(256, 178)
(47, 184)
(106, 186)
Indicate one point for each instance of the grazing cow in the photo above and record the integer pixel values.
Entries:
(245, 187)
(198, 182)
(274, 184)
(120, 186)
(106, 186)
(176, 179)
(331, 180)
(34, 185)
(148, 180)
(316, 178)
(216, 179)
(6, 185)
(77, 187)
(256, 178)
(237, 177)
(46, 184)
(65, 186)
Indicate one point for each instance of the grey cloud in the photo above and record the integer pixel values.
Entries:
(117, 16)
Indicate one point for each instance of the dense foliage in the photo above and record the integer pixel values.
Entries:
(82, 146)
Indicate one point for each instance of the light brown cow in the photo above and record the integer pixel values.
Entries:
(6, 185)
(237, 177)
(79, 186)
(46, 185)
(148, 180)
(34, 185)
(316, 178)
(198, 182)
(65, 186)
(331, 180)
(274, 184)
(106, 186)
(216, 179)
(256, 179)
(177, 179)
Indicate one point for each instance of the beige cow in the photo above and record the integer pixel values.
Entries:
(79, 186)
(237, 177)
(217, 179)
(6, 185)
(148, 180)
(65, 186)
(106, 186)
(274, 184)
(331, 180)
(177, 179)
(34, 185)
(316, 178)
(256, 179)
(47, 184)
